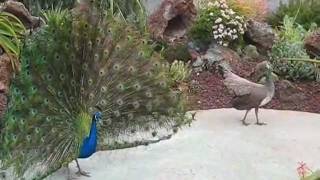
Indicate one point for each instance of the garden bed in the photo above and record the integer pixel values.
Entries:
(211, 93)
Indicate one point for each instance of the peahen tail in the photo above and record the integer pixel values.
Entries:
(77, 64)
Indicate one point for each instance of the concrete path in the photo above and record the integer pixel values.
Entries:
(217, 147)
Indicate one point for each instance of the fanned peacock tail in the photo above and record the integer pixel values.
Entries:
(76, 63)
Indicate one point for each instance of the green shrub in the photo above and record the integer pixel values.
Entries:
(288, 55)
(306, 12)
(11, 32)
(220, 23)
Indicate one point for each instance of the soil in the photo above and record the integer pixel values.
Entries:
(210, 92)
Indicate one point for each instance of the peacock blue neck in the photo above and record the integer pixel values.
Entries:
(89, 144)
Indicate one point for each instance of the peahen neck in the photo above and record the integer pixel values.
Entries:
(269, 81)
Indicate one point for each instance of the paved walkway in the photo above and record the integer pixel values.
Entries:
(218, 147)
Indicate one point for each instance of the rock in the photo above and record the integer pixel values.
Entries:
(198, 63)
(5, 77)
(261, 35)
(251, 52)
(172, 20)
(216, 54)
(6, 73)
(288, 93)
(312, 44)
(20, 11)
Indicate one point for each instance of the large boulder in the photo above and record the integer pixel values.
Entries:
(170, 22)
(261, 35)
(312, 44)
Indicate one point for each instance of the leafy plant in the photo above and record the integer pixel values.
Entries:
(11, 32)
(220, 23)
(306, 12)
(179, 71)
(288, 55)
(37, 6)
(251, 9)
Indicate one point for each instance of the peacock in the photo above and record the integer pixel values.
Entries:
(88, 81)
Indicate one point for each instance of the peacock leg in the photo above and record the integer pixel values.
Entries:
(244, 119)
(259, 123)
(80, 172)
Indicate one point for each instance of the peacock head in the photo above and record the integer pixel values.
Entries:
(97, 116)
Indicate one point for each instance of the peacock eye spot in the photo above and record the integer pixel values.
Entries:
(141, 53)
(116, 67)
(130, 116)
(49, 77)
(90, 81)
(144, 42)
(57, 57)
(118, 48)
(101, 72)
(109, 30)
(120, 102)
(85, 66)
(62, 77)
(23, 98)
(103, 89)
(86, 25)
(91, 96)
(73, 82)
(59, 94)
(103, 102)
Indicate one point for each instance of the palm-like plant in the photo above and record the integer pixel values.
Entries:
(11, 33)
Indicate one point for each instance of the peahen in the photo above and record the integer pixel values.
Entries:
(88, 79)
(249, 95)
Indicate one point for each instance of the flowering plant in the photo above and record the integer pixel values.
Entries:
(219, 22)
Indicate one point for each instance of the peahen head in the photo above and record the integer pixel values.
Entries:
(263, 69)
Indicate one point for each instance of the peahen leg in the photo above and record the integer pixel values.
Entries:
(244, 119)
(259, 123)
(80, 172)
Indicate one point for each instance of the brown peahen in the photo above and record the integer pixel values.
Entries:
(249, 95)
(88, 80)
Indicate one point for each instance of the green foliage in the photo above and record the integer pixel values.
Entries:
(36, 6)
(179, 71)
(305, 11)
(220, 23)
(11, 32)
(313, 176)
(291, 46)
(172, 53)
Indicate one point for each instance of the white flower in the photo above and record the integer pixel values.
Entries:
(214, 27)
(211, 14)
(221, 26)
(211, 4)
(225, 44)
(231, 12)
(220, 42)
(215, 37)
(220, 30)
(219, 20)
(215, 32)
(235, 37)
(234, 30)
